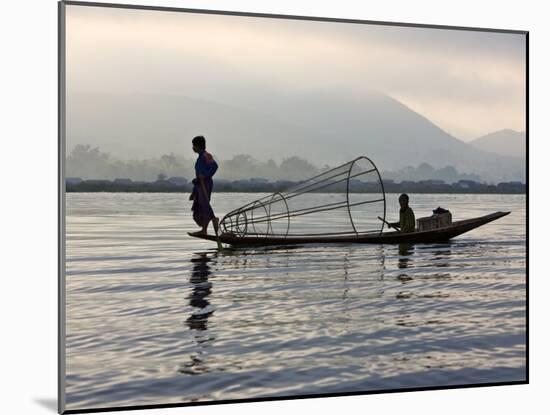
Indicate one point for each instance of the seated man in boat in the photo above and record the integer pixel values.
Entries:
(205, 168)
(406, 216)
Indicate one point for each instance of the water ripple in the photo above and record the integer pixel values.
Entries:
(154, 316)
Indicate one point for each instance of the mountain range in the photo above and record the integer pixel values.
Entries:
(322, 127)
(504, 142)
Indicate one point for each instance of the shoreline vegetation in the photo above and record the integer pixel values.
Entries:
(257, 185)
(88, 162)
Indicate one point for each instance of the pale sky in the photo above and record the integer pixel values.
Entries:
(468, 83)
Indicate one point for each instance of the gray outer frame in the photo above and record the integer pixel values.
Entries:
(61, 107)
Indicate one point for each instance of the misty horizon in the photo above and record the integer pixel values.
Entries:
(468, 82)
(140, 84)
(89, 163)
(136, 95)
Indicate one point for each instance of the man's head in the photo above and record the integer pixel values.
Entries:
(404, 200)
(199, 144)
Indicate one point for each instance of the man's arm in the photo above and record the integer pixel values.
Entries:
(207, 166)
(394, 225)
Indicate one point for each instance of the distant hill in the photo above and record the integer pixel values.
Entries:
(395, 136)
(324, 128)
(142, 126)
(503, 142)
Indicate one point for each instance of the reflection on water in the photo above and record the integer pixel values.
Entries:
(154, 316)
(202, 311)
(442, 254)
(202, 288)
(405, 252)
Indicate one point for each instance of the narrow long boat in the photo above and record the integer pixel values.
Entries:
(437, 235)
(339, 205)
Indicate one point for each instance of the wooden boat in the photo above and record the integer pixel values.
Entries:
(394, 237)
(303, 213)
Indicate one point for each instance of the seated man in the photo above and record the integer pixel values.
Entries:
(406, 216)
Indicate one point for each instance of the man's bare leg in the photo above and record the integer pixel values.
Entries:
(203, 231)
(215, 223)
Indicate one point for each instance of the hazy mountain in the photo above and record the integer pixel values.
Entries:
(503, 142)
(145, 126)
(392, 134)
(324, 128)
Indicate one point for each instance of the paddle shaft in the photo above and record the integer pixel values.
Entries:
(389, 224)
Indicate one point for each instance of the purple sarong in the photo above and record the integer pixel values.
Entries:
(202, 211)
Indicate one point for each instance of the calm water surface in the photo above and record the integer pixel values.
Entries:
(154, 316)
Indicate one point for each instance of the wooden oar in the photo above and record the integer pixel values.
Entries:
(220, 246)
(389, 224)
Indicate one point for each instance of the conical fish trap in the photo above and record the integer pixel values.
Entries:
(346, 200)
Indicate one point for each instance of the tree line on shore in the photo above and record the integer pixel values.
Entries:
(164, 184)
(89, 162)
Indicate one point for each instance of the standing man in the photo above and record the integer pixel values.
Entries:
(205, 168)
(406, 216)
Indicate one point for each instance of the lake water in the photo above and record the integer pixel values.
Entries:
(155, 316)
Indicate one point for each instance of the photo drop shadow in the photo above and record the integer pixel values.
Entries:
(48, 403)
